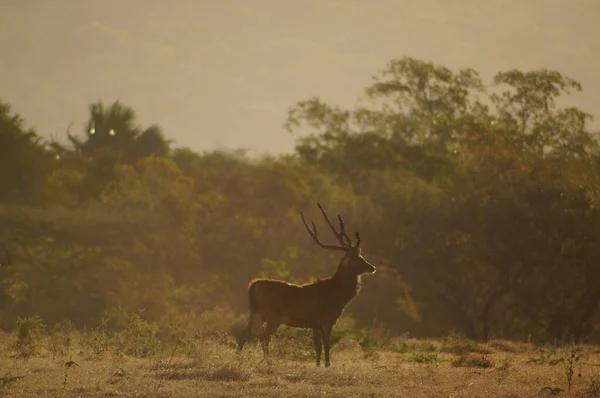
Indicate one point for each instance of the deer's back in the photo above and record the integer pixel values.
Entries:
(295, 305)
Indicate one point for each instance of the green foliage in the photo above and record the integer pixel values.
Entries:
(113, 130)
(98, 339)
(480, 209)
(8, 379)
(60, 338)
(139, 338)
(25, 161)
(29, 333)
(424, 357)
(461, 346)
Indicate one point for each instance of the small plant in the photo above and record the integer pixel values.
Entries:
(546, 356)
(60, 339)
(169, 362)
(294, 344)
(401, 347)
(98, 339)
(367, 339)
(503, 370)
(427, 347)
(424, 357)
(460, 346)
(140, 338)
(29, 332)
(572, 363)
(8, 379)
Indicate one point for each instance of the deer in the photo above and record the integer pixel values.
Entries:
(315, 306)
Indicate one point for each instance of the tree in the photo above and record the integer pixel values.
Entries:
(25, 160)
(527, 111)
(111, 137)
(112, 129)
(479, 208)
(456, 181)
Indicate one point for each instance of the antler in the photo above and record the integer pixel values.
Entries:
(343, 239)
(357, 239)
(339, 235)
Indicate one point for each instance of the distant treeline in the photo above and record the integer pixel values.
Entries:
(478, 203)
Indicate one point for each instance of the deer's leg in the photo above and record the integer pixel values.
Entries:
(254, 323)
(318, 344)
(327, 343)
(244, 337)
(265, 337)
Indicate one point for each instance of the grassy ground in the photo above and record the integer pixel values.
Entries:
(135, 363)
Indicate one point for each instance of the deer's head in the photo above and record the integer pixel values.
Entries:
(353, 262)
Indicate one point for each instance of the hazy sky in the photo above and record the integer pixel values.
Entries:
(222, 73)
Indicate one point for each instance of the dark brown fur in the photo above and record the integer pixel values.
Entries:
(315, 306)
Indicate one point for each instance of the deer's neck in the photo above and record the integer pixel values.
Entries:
(347, 286)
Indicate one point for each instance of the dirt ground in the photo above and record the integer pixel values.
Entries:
(213, 368)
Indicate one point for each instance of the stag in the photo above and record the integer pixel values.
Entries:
(315, 306)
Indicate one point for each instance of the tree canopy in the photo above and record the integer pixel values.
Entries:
(477, 202)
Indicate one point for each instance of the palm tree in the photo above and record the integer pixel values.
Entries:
(111, 131)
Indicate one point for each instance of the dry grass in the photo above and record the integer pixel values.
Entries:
(211, 367)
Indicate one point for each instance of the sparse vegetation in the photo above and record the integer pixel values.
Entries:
(210, 365)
